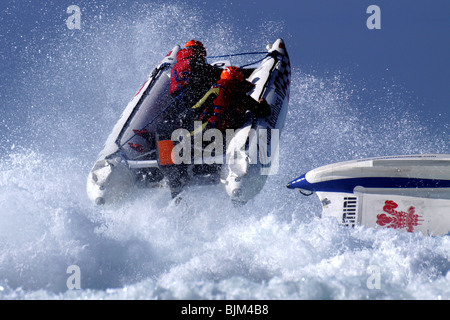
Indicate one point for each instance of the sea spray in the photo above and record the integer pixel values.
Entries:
(275, 247)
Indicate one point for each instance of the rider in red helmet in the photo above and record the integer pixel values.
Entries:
(192, 76)
(228, 101)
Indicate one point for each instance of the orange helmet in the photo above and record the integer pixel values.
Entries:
(232, 73)
(197, 46)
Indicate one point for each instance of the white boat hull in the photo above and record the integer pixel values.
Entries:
(408, 193)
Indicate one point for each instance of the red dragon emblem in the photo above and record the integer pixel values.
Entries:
(398, 219)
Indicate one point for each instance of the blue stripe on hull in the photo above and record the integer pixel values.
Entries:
(348, 185)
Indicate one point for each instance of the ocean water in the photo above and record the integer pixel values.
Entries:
(73, 90)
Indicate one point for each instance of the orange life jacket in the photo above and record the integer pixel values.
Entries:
(230, 105)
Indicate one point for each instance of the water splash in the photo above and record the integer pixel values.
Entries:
(275, 247)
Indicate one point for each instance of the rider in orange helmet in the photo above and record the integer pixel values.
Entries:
(228, 101)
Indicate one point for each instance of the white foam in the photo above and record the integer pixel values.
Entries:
(275, 247)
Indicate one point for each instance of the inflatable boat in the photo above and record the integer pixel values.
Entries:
(409, 193)
(134, 156)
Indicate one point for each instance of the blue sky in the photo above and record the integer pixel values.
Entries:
(412, 48)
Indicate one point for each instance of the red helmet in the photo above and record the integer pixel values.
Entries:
(232, 73)
(196, 46)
